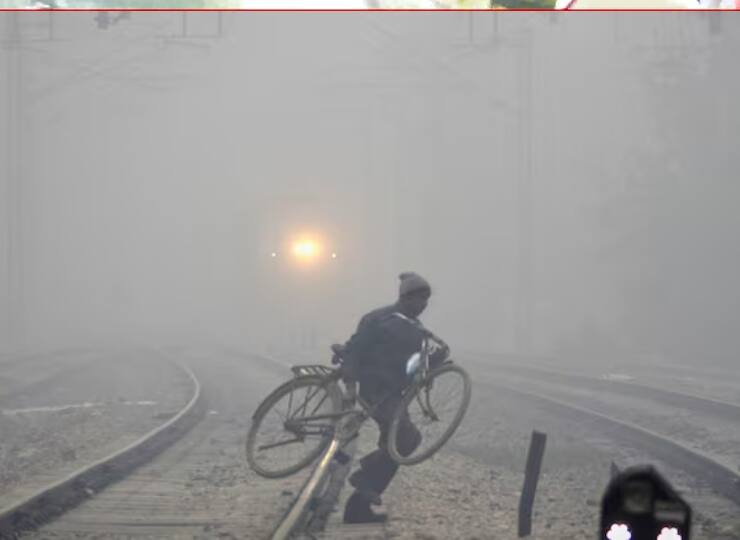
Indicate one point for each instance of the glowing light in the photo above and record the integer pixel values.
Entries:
(305, 249)
(619, 531)
(273, 254)
(667, 533)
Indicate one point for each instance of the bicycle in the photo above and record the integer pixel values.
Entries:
(333, 414)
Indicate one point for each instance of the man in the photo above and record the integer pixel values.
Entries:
(376, 356)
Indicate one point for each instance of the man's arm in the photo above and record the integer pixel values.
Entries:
(409, 333)
(405, 337)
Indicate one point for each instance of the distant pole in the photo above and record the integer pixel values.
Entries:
(524, 201)
(531, 477)
(13, 315)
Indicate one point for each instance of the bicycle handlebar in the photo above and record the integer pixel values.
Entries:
(436, 338)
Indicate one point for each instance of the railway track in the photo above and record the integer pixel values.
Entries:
(146, 498)
(719, 477)
(52, 500)
(682, 379)
(187, 491)
(709, 426)
(717, 408)
(201, 486)
(722, 478)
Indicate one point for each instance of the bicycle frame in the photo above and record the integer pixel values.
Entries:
(315, 408)
(300, 425)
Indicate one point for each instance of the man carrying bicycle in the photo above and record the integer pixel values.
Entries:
(375, 357)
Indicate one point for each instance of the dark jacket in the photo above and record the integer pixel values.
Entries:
(377, 352)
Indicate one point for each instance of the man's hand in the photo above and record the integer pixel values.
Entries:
(439, 356)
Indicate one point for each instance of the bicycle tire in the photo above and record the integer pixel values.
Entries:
(335, 396)
(408, 398)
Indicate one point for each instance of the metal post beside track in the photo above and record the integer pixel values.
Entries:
(531, 476)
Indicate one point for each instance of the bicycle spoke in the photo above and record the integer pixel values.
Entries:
(287, 438)
(281, 443)
(308, 398)
(280, 416)
(434, 408)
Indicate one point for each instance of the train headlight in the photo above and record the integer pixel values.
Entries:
(305, 249)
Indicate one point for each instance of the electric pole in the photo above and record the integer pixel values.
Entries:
(525, 259)
(12, 312)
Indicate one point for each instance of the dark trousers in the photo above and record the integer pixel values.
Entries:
(377, 469)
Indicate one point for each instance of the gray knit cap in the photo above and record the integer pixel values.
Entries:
(412, 282)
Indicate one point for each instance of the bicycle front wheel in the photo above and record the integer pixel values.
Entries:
(288, 432)
(436, 407)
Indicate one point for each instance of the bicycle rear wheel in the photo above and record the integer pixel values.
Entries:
(436, 407)
(283, 437)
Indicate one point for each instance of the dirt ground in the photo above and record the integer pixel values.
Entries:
(471, 489)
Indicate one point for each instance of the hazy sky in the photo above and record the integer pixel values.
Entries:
(161, 165)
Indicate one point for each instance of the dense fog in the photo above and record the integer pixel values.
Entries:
(567, 183)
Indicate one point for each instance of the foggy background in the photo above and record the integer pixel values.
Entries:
(567, 183)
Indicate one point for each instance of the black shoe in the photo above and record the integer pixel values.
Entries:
(370, 517)
(358, 510)
(357, 482)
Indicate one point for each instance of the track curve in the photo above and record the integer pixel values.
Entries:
(58, 497)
